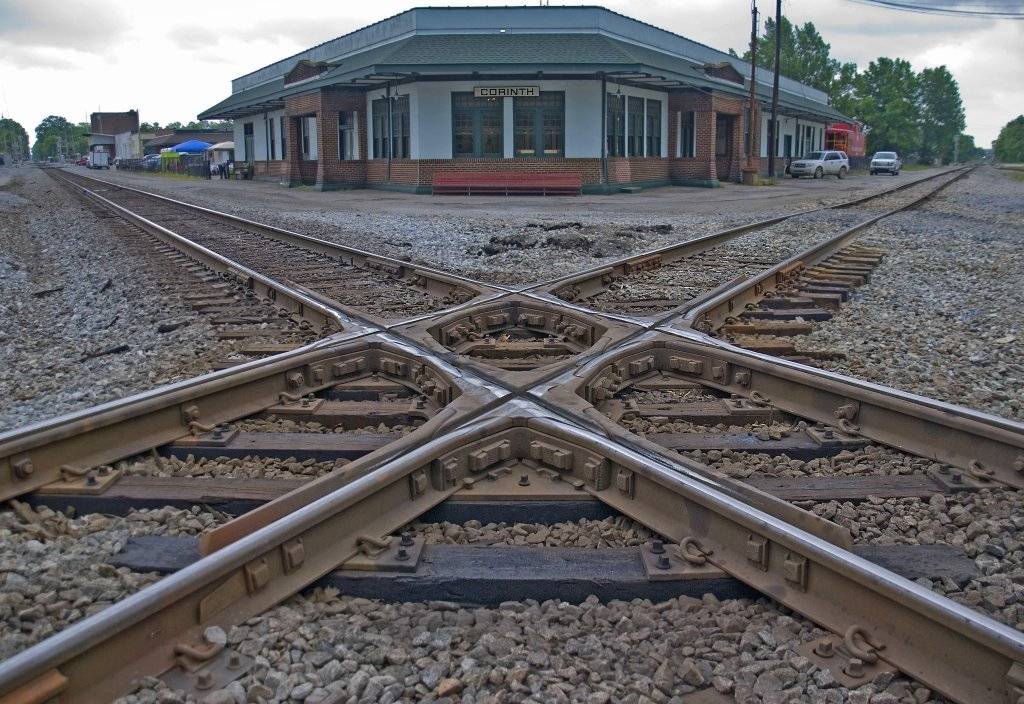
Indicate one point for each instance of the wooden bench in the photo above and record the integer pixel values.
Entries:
(485, 183)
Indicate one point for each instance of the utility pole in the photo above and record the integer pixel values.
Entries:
(956, 148)
(753, 84)
(773, 126)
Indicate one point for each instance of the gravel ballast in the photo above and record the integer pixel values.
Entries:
(323, 647)
(681, 281)
(503, 243)
(82, 309)
(942, 315)
(54, 569)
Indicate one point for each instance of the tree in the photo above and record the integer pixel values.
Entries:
(804, 56)
(218, 125)
(56, 137)
(886, 99)
(941, 113)
(968, 149)
(1009, 145)
(13, 139)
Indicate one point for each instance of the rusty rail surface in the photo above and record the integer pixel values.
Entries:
(513, 385)
(951, 648)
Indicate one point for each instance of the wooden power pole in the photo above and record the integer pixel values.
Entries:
(754, 78)
(773, 126)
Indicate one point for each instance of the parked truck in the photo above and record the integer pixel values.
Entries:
(99, 160)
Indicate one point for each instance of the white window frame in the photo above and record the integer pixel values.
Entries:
(354, 134)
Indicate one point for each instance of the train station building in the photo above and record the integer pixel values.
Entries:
(580, 90)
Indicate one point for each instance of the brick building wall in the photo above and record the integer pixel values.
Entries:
(332, 171)
(276, 169)
(328, 171)
(300, 171)
(420, 172)
(705, 165)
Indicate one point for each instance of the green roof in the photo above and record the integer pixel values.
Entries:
(514, 53)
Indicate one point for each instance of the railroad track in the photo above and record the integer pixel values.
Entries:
(767, 311)
(673, 279)
(505, 408)
(248, 326)
(380, 290)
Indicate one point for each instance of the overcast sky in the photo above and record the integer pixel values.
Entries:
(172, 60)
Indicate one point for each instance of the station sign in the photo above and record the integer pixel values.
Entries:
(506, 92)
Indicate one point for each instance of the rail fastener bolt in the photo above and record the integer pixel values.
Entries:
(204, 679)
(824, 648)
(854, 667)
(23, 469)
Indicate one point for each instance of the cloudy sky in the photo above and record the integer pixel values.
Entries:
(72, 57)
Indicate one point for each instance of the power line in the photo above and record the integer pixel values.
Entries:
(989, 9)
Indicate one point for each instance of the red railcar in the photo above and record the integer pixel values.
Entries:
(845, 137)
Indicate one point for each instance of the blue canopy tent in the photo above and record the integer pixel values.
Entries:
(192, 146)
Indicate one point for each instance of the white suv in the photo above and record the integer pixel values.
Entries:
(820, 164)
(886, 162)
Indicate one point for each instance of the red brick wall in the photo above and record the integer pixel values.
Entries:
(304, 69)
(420, 172)
(332, 170)
(271, 169)
(627, 170)
(296, 106)
(329, 171)
(704, 164)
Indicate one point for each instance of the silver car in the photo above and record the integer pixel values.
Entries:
(821, 164)
(886, 162)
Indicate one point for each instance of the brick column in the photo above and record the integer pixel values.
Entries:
(332, 172)
(704, 125)
(326, 143)
(293, 170)
(738, 158)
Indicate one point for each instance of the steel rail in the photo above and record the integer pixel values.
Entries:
(33, 456)
(697, 245)
(143, 629)
(940, 431)
(292, 299)
(711, 313)
(710, 240)
(344, 252)
(956, 651)
(956, 644)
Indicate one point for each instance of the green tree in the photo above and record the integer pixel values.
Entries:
(193, 125)
(13, 139)
(968, 149)
(1009, 145)
(804, 56)
(886, 99)
(56, 136)
(941, 113)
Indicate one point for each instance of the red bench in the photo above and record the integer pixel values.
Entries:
(484, 183)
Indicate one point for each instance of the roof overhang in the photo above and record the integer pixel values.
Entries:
(379, 76)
